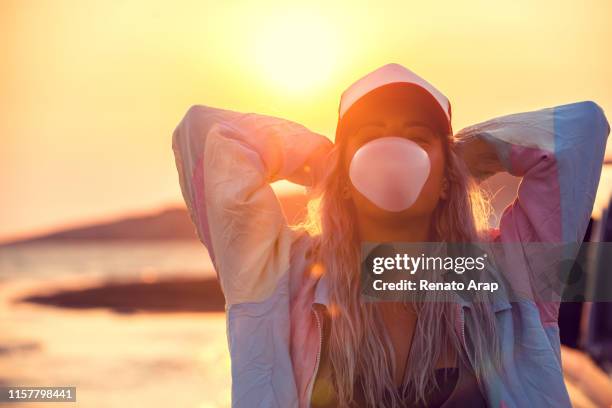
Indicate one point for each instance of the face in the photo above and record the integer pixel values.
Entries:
(401, 114)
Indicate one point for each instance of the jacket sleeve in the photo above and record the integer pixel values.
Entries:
(558, 152)
(225, 162)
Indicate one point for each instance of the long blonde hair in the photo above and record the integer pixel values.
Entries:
(360, 350)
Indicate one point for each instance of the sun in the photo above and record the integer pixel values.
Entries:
(297, 51)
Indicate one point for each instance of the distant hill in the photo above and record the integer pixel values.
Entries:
(167, 224)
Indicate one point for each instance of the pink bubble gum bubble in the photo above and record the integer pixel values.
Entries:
(390, 172)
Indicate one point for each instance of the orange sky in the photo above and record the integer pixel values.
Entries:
(91, 90)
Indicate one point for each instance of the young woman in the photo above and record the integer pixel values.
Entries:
(298, 332)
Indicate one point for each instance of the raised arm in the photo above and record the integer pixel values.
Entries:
(558, 152)
(225, 162)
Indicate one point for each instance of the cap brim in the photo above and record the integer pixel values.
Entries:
(438, 116)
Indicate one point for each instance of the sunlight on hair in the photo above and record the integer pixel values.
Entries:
(333, 310)
(317, 270)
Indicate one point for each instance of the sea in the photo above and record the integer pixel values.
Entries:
(113, 359)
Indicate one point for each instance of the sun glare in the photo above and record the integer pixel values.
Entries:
(296, 51)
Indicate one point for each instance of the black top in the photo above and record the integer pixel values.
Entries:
(457, 386)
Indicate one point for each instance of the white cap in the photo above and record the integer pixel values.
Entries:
(386, 75)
